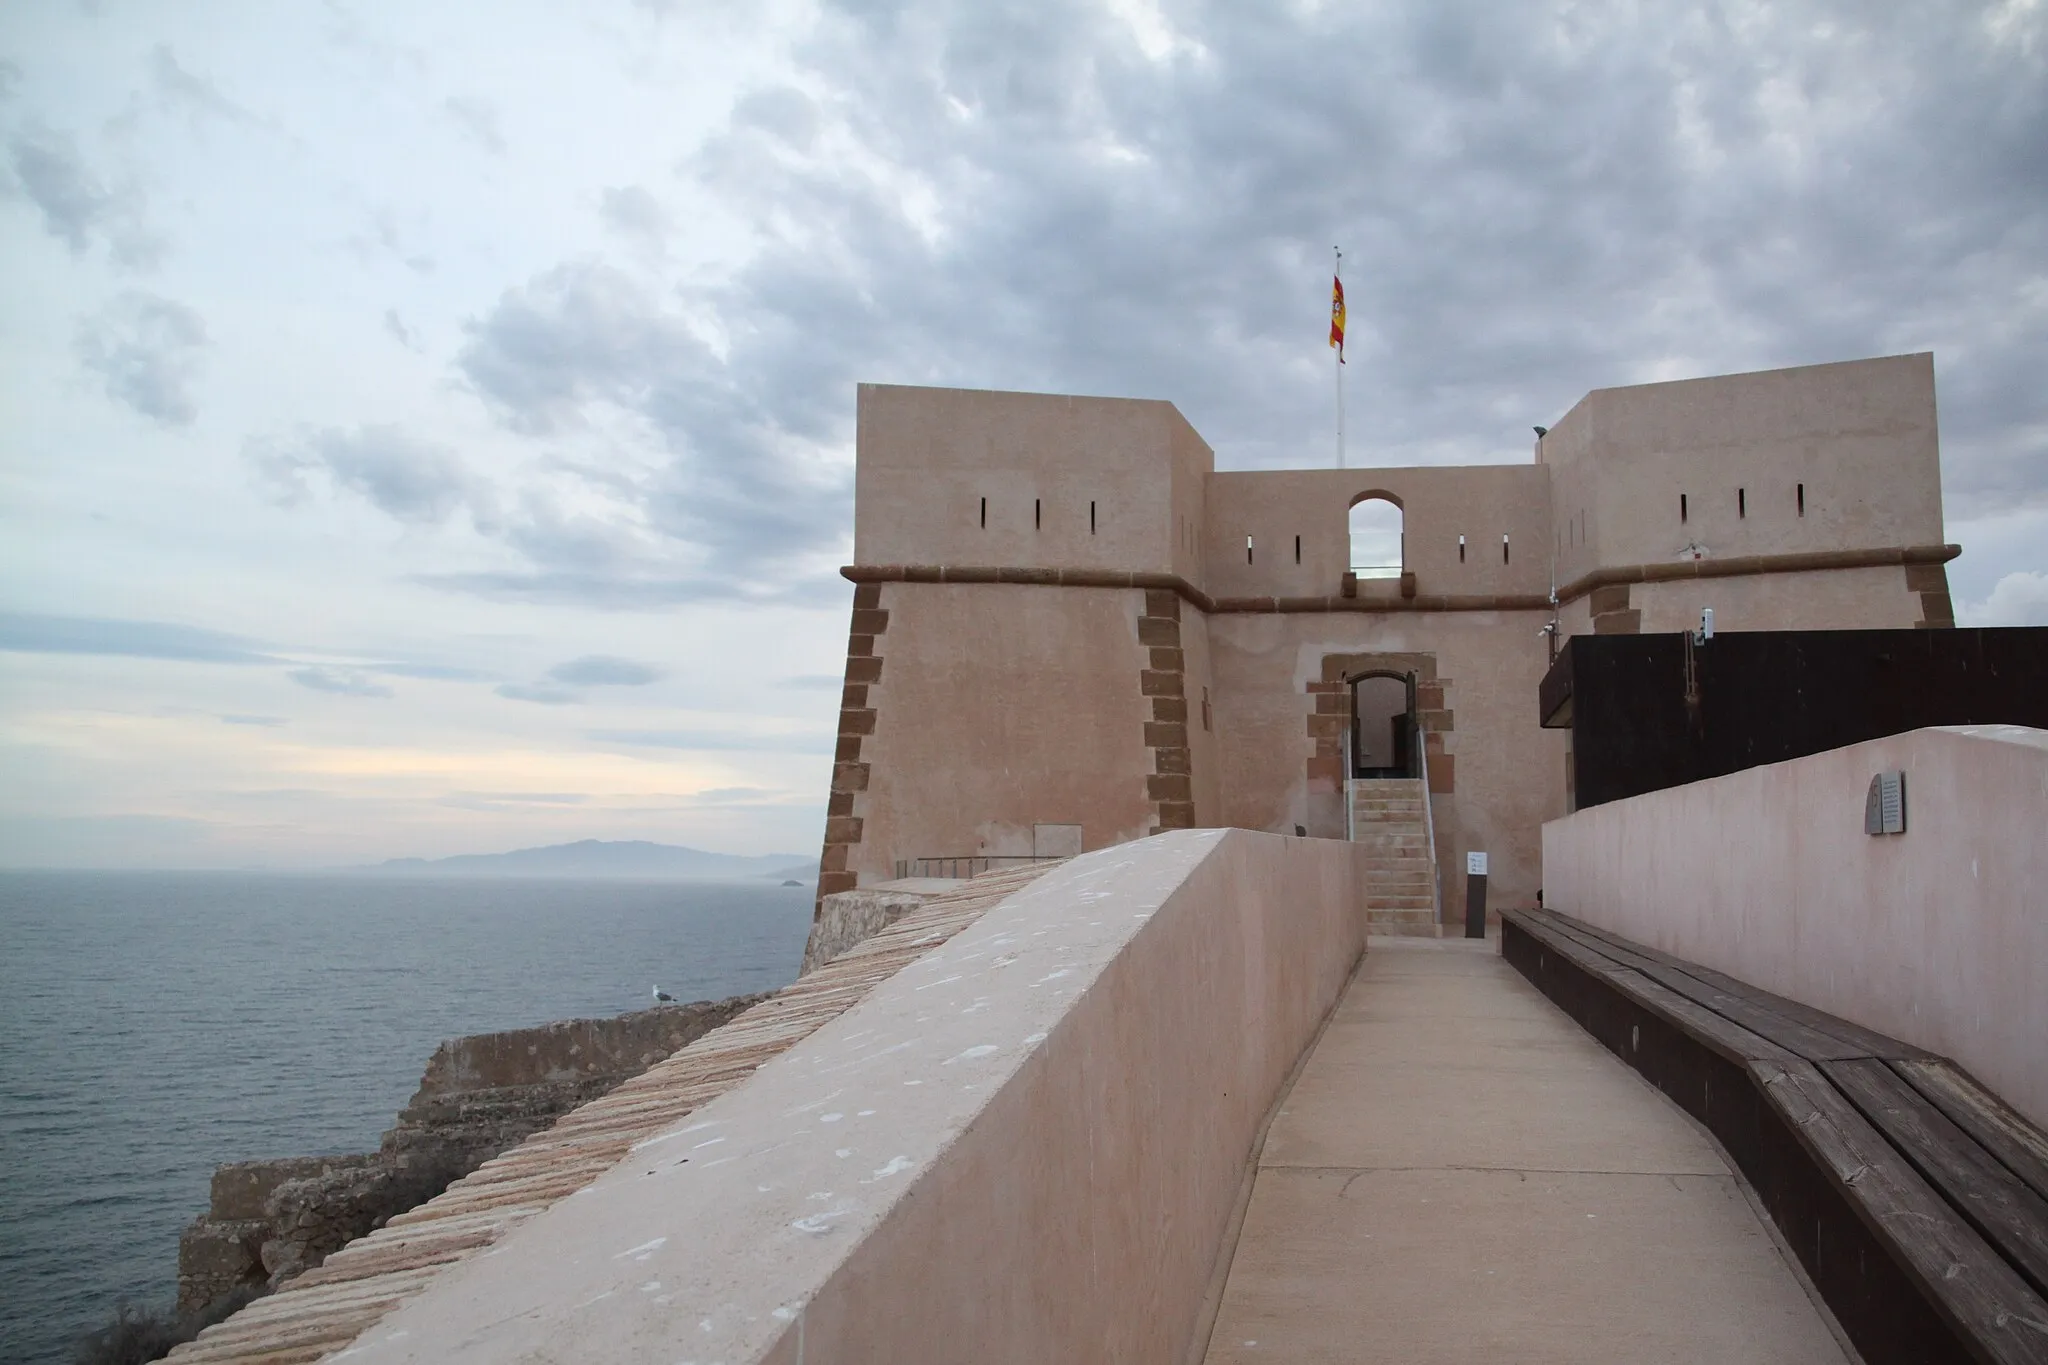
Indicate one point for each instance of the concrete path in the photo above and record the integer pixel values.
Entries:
(1462, 1174)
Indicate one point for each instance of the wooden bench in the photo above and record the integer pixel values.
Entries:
(1915, 1198)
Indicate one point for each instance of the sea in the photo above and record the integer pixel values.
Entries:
(154, 1025)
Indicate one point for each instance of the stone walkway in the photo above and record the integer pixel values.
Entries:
(1461, 1174)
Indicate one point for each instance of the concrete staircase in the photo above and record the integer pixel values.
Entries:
(1387, 816)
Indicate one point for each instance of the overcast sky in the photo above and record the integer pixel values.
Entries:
(428, 429)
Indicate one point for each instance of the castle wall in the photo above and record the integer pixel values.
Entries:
(1495, 776)
(1480, 502)
(930, 458)
(1839, 599)
(1203, 727)
(1860, 436)
(1001, 706)
(1057, 621)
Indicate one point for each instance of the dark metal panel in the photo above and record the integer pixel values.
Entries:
(1767, 696)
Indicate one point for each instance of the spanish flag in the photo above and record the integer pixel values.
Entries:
(1337, 316)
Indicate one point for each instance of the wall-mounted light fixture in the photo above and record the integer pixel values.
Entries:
(1884, 804)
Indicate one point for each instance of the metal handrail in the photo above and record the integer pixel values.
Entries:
(975, 863)
(1436, 874)
(1346, 786)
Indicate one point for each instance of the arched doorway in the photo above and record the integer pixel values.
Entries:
(1383, 726)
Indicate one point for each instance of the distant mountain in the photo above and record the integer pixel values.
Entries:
(597, 858)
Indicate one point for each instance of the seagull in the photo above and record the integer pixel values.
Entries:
(662, 997)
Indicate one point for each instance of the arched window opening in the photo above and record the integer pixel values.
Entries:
(1376, 541)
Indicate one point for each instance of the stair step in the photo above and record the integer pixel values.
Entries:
(1403, 924)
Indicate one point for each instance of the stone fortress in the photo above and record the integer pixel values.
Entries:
(1130, 1030)
(1070, 630)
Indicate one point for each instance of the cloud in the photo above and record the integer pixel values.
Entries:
(146, 350)
(478, 120)
(2017, 599)
(76, 206)
(738, 795)
(1141, 201)
(196, 96)
(253, 720)
(395, 327)
(383, 240)
(635, 214)
(429, 671)
(529, 798)
(598, 670)
(819, 682)
(504, 802)
(714, 740)
(412, 480)
(344, 682)
(749, 487)
(546, 696)
(32, 633)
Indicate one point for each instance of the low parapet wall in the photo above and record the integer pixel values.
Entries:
(1937, 935)
(1026, 1146)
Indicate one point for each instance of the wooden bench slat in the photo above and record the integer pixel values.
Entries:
(1865, 1042)
(1731, 1040)
(1958, 1272)
(2019, 1145)
(2011, 1217)
(1737, 1007)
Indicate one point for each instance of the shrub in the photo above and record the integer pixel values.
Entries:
(137, 1335)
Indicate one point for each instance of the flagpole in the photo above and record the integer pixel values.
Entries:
(1339, 368)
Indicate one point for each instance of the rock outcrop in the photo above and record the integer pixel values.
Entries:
(268, 1221)
(846, 918)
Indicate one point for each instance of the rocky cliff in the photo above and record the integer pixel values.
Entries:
(270, 1220)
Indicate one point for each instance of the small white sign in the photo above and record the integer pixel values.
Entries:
(1475, 864)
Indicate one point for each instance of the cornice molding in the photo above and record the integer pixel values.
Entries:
(1738, 566)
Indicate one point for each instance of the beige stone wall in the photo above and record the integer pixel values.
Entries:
(1001, 706)
(1860, 435)
(1202, 719)
(928, 457)
(1835, 599)
(1936, 936)
(1481, 503)
(1495, 779)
